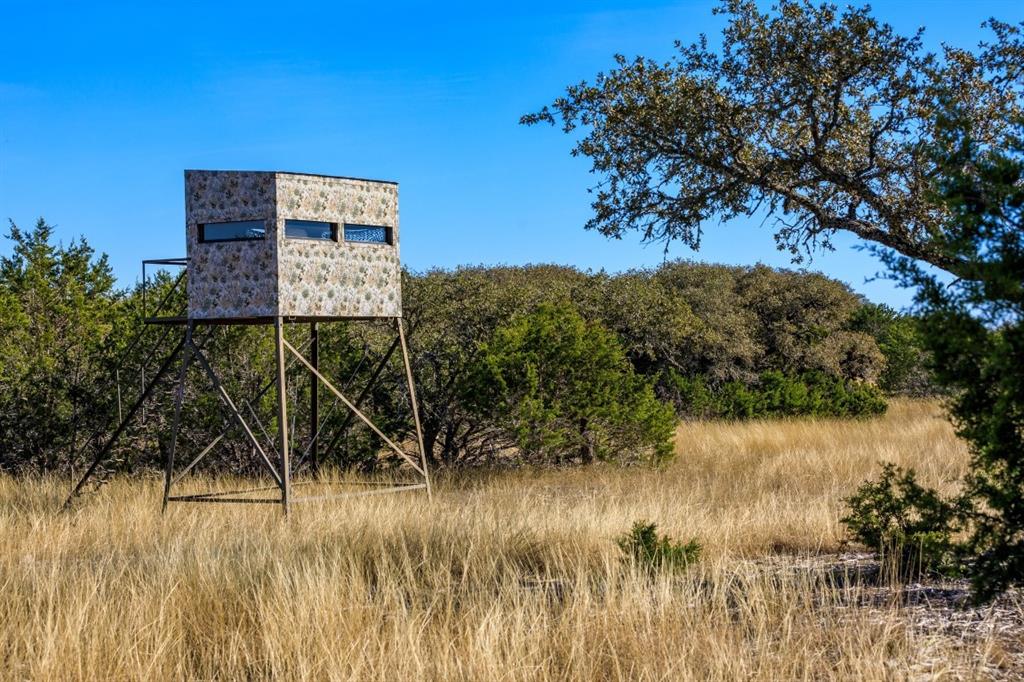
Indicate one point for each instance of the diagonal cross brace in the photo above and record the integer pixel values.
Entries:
(222, 394)
(224, 432)
(362, 395)
(103, 451)
(198, 458)
(226, 399)
(354, 409)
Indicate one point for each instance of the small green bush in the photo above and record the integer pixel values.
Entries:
(643, 546)
(912, 527)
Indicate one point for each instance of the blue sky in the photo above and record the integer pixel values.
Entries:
(103, 105)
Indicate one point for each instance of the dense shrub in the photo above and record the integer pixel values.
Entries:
(909, 525)
(58, 312)
(898, 337)
(775, 394)
(561, 388)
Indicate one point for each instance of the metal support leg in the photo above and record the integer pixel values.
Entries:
(282, 413)
(314, 399)
(136, 406)
(366, 420)
(186, 359)
(226, 399)
(414, 405)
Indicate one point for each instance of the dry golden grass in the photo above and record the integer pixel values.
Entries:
(509, 576)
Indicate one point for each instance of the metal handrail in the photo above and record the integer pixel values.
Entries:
(152, 352)
(183, 262)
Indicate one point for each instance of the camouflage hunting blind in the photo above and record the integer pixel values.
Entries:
(268, 244)
(272, 248)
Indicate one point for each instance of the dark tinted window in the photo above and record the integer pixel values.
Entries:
(370, 234)
(236, 230)
(308, 229)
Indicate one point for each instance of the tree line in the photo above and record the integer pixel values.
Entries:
(540, 363)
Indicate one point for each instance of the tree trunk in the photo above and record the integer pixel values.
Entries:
(586, 443)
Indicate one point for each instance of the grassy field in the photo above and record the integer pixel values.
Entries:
(502, 577)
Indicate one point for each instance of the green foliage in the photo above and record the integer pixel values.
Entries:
(907, 523)
(775, 394)
(973, 327)
(643, 546)
(818, 116)
(818, 394)
(451, 313)
(561, 388)
(899, 339)
(802, 324)
(749, 320)
(58, 308)
(720, 327)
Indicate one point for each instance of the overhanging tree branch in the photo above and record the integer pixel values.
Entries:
(807, 110)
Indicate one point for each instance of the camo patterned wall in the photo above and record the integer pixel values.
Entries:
(291, 277)
(338, 279)
(231, 279)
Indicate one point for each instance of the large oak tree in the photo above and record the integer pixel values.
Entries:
(821, 117)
